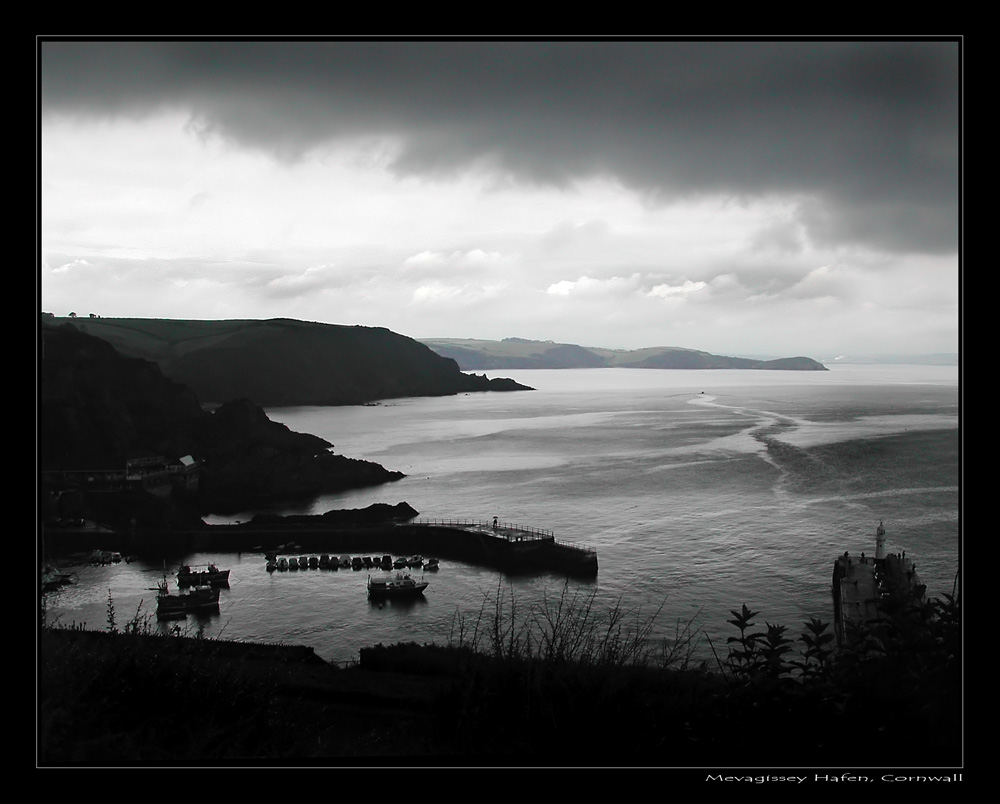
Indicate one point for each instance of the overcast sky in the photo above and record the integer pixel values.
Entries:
(779, 198)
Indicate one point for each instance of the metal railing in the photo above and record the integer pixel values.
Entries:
(506, 530)
(487, 525)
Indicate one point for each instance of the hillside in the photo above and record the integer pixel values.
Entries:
(286, 362)
(98, 407)
(519, 353)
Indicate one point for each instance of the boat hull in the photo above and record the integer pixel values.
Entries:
(399, 586)
(218, 578)
(198, 599)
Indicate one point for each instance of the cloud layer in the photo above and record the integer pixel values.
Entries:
(687, 172)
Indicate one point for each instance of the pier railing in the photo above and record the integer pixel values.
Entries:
(505, 530)
(500, 528)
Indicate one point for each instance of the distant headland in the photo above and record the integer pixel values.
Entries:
(521, 353)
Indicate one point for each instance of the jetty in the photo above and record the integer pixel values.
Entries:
(506, 546)
(510, 546)
(867, 588)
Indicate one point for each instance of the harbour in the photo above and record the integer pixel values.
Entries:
(504, 546)
(678, 493)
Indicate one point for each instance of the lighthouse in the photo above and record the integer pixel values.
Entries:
(879, 542)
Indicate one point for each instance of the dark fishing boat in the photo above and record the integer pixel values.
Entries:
(196, 576)
(195, 599)
(53, 579)
(402, 584)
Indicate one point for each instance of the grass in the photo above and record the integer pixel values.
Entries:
(563, 683)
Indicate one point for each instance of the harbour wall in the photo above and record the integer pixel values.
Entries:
(455, 543)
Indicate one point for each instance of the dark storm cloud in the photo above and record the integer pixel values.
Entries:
(866, 131)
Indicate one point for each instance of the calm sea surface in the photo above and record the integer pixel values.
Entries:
(700, 491)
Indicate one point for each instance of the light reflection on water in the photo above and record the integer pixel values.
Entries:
(696, 502)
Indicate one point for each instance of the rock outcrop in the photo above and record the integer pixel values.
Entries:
(98, 409)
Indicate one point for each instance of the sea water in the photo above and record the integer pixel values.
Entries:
(700, 491)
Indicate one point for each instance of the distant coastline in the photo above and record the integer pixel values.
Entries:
(521, 353)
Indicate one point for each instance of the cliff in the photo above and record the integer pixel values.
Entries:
(98, 407)
(520, 353)
(280, 362)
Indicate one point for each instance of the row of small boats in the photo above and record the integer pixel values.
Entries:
(199, 587)
(386, 562)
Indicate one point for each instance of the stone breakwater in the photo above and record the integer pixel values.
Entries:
(451, 542)
(376, 529)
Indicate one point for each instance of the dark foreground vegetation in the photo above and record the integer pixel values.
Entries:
(560, 686)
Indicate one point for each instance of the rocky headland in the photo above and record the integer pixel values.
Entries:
(281, 362)
(98, 409)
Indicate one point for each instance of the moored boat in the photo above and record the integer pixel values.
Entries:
(402, 584)
(53, 579)
(432, 564)
(196, 598)
(196, 576)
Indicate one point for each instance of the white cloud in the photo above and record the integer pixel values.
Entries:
(148, 215)
(680, 291)
(71, 266)
(593, 287)
(441, 293)
(473, 258)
